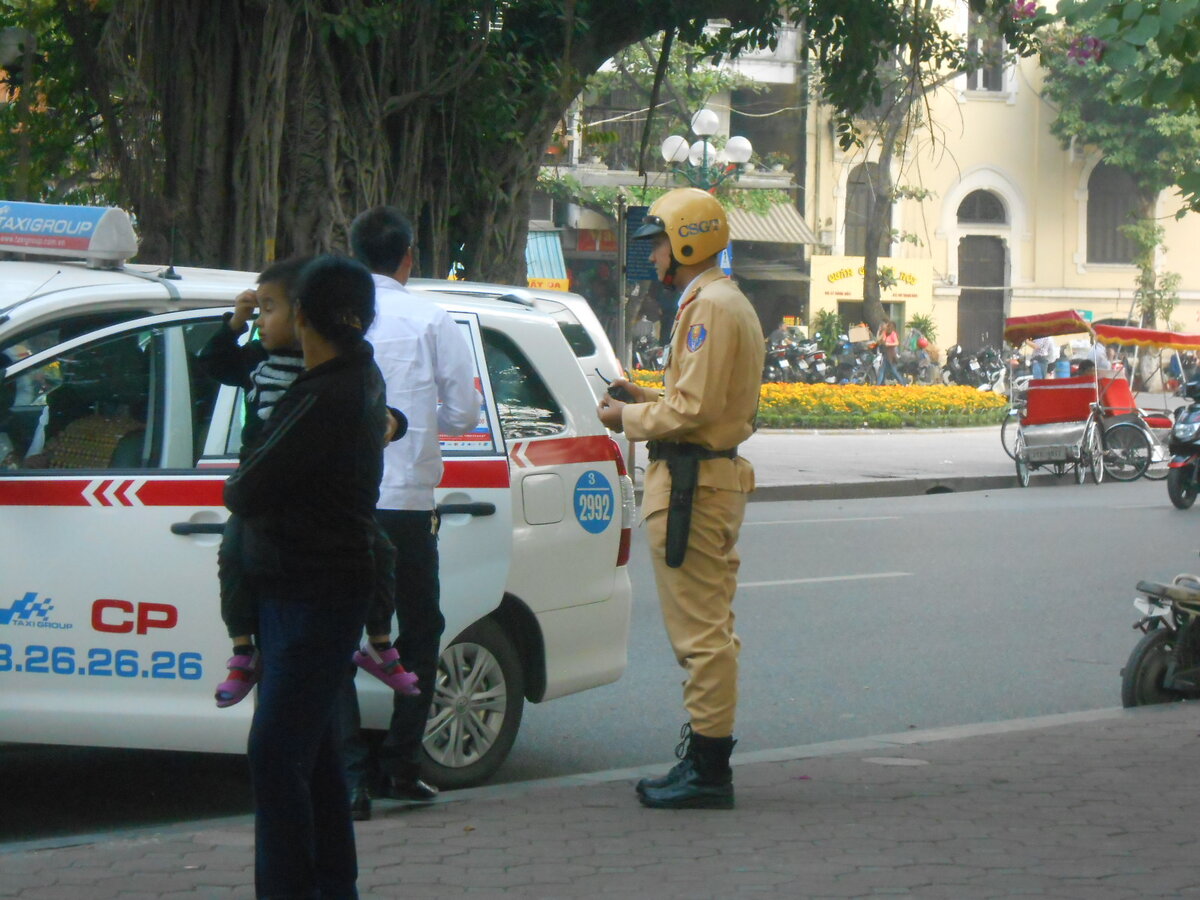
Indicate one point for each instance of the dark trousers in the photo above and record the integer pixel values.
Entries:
(420, 625)
(304, 836)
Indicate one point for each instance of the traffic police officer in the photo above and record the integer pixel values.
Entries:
(696, 484)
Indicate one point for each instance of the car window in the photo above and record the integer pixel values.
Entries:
(102, 405)
(203, 389)
(579, 339)
(525, 405)
(47, 334)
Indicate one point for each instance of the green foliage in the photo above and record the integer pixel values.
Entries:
(924, 323)
(1151, 48)
(829, 325)
(603, 200)
(1154, 142)
(52, 132)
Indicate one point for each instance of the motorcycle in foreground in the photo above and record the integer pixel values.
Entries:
(1164, 666)
(1183, 474)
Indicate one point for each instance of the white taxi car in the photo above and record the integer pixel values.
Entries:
(113, 449)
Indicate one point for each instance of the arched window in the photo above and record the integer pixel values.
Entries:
(981, 208)
(1112, 202)
(862, 188)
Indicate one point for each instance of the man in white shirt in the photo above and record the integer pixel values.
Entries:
(430, 375)
(1045, 352)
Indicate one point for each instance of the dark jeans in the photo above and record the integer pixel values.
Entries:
(304, 836)
(420, 625)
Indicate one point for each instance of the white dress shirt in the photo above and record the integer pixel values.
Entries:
(424, 359)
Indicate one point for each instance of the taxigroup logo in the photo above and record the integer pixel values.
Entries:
(31, 611)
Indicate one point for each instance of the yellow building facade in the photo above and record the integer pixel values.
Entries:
(1007, 226)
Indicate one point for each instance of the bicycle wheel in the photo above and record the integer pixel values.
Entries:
(1008, 433)
(1157, 470)
(1126, 451)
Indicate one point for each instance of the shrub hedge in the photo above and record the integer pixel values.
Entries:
(868, 406)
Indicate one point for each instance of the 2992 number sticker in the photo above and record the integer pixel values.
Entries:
(40, 659)
(594, 502)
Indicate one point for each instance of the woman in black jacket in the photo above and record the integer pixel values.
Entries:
(306, 492)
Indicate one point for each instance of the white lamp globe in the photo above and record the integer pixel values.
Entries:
(702, 153)
(704, 123)
(738, 150)
(675, 149)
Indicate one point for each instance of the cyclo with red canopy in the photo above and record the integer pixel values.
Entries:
(1060, 425)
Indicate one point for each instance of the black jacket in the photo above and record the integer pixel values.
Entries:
(307, 489)
(225, 360)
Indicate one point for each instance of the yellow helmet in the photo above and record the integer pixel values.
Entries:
(694, 222)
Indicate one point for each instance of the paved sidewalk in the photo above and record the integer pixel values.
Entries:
(1090, 806)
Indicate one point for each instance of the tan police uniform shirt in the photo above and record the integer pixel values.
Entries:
(710, 387)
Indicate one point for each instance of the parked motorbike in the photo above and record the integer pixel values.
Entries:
(992, 370)
(1183, 472)
(961, 368)
(647, 355)
(1165, 664)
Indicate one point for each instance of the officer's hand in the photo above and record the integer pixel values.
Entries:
(243, 309)
(632, 393)
(609, 412)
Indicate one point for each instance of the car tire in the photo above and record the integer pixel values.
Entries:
(478, 700)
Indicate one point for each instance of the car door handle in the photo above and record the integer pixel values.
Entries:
(197, 528)
(467, 509)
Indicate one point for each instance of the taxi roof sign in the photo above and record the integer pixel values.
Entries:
(102, 235)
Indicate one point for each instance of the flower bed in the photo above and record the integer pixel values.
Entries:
(868, 406)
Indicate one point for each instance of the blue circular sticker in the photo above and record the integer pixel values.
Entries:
(593, 501)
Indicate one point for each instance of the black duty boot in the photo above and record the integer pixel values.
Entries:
(701, 780)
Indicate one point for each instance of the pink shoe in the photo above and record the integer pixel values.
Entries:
(243, 675)
(385, 665)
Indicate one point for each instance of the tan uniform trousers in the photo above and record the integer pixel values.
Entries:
(697, 605)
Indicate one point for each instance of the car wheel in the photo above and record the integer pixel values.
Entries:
(478, 699)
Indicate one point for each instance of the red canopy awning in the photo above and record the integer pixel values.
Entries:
(1019, 329)
(1146, 337)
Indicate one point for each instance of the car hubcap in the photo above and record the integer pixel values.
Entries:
(469, 705)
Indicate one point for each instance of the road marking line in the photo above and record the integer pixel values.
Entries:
(751, 584)
(822, 521)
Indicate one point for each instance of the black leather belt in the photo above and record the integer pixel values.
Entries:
(668, 450)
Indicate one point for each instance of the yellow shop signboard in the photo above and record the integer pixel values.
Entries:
(839, 280)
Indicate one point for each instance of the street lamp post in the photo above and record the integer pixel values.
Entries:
(708, 167)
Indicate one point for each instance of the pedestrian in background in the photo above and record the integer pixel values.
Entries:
(1045, 352)
(430, 374)
(889, 345)
(696, 483)
(306, 492)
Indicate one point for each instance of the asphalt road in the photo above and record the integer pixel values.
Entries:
(857, 617)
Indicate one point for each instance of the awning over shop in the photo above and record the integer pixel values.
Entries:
(544, 262)
(768, 270)
(781, 224)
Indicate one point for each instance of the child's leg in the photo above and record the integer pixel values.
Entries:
(377, 656)
(239, 611)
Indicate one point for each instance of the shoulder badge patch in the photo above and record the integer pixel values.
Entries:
(695, 337)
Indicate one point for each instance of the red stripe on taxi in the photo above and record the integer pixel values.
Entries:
(556, 451)
(144, 489)
(475, 473)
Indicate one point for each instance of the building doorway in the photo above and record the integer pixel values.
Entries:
(983, 275)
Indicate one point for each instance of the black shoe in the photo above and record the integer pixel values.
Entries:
(412, 789)
(682, 752)
(701, 780)
(360, 805)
